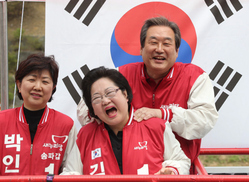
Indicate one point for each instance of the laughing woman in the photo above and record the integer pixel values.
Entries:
(35, 139)
(115, 143)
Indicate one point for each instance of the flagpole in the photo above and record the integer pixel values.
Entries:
(4, 55)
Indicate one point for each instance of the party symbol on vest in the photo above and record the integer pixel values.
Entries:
(142, 145)
(59, 139)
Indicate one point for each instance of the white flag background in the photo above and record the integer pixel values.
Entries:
(84, 34)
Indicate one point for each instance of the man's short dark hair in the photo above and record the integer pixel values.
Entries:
(160, 21)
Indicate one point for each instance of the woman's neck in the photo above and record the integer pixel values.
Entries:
(120, 126)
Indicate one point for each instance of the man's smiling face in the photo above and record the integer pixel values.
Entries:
(159, 52)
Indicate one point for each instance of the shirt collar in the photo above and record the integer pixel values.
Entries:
(44, 117)
(168, 76)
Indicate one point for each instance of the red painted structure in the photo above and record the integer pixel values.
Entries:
(131, 178)
(201, 177)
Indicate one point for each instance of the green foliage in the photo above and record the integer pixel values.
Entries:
(238, 158)
(12, 57)
(29, 44)
(14, 10)
(224, 160)
(13, 50)
(11, 88)
(32, 43)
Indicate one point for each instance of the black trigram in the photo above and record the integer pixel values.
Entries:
(225, 8)
(76, 76)
(221, 81)
(83, 7)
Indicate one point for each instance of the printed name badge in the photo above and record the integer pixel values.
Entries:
(12, 141)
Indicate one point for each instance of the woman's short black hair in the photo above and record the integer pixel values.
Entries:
(37, 62)
(102, 72)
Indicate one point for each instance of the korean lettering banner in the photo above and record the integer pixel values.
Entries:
(84, 34)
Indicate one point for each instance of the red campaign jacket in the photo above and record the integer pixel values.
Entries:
(147, 147)
(185, 93)
(45, 155)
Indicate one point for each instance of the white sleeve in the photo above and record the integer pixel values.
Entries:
(72, 164)
(173, 154)
(201, 115)
(82, 113)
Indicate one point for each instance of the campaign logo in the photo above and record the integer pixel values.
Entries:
(57, 142)
(59, 139)
(125, 40)
(142, 145)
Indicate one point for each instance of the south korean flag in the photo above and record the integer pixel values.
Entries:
(96, 153)
(85, 34)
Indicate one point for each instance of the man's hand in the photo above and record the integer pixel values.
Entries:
(165, 170)
(145, 113)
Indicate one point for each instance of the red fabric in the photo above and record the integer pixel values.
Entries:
(49, 143)
(142, 144)
(173, 89)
